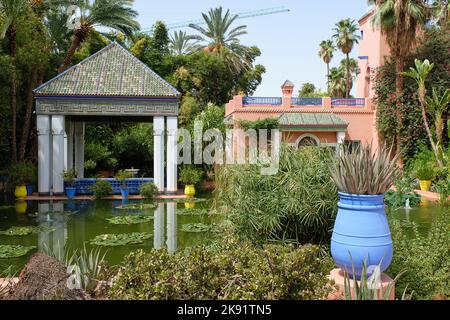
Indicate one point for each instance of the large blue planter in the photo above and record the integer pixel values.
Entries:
(124, 192)
(70, 192)
(362, 230)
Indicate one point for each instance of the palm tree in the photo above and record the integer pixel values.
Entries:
(437, 107)
(114, 14)
(338, 84)
(420, 73)
(399, 21)
(11, 11)
(346, 37)
(223, 40)
(183, 43)
(352, 66)
(326, 53)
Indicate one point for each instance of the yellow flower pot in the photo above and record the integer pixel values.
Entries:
(425, 185)
(20, 192)
(189, 190)
(21, 207)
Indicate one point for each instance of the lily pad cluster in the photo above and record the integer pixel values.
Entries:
(123, 239)
(24, 231)
(137, 206)
(196, 227)
(14, 251)
(192, 212)
(127, 220)
(185, 200)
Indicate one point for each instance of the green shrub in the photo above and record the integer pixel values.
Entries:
(149, 190)
(123, 175)
(69, 177)
(190, 175)
(24, 172)
(230, 270)
(299, 203)
(424, 258)
(102, 189)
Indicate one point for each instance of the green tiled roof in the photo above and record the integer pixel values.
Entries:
(112, 71)
(312, 120)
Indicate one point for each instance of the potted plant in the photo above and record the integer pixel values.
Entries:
(21, 175)
(70, 177)
(190, 176)
(425, 171)
(361, 231)
(122, 176)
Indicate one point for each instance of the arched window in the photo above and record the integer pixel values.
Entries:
(307, 140)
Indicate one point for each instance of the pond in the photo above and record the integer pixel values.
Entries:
(423, 216)
(61, 227)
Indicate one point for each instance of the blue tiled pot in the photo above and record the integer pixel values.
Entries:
(362, 230)
(70, 192)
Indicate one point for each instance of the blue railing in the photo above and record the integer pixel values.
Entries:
(272, 101)
(84, 185)
(307, 102)
(353, 102)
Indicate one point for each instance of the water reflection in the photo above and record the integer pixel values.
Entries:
(54, 216)
(51, 217)
(171, 227)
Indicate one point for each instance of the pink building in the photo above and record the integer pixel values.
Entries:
(325, 121)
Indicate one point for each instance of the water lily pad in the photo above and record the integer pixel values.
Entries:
(196, 227)
(192, 212)
(185, 200)
(135, 219)
(6, 207)
(113, 240)
(24, 231)
(14, 251)
(137, 206)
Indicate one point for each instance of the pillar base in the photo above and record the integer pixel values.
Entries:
(337, 275)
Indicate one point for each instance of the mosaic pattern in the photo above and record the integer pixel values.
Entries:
(112, 71)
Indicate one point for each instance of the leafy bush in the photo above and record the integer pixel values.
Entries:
(424, 170)
(22, 173)
(102, 189)
(424, 258)
(230, 270)
(149, 190)
(299, 203)
(123, 175)
(403, 192)
(269, 124)
(190, 175)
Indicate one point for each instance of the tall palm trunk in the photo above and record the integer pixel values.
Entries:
(12, 37)
(28, 110)
(328, 77)
(347, 94)
(76, 42)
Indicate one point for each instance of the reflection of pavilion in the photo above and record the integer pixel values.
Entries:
(51, 215)
(158, 227)
(52, 243)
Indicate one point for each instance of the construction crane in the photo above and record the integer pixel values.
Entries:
(241, 15)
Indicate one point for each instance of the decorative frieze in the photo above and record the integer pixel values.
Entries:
(106, 107)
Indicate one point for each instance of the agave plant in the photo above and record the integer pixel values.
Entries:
(361, 171)
(369, 288)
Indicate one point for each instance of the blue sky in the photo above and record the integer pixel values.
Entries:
(288, 41)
